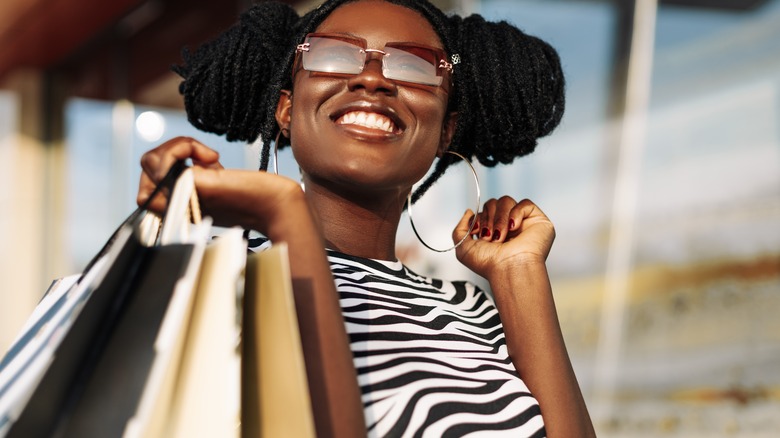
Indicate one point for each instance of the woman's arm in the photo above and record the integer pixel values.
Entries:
(514, 264)
(276, 207)
(338, 409)
(525, 303)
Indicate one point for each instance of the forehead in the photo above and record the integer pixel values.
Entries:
(380, 22)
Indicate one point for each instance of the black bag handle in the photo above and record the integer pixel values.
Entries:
(167, 182)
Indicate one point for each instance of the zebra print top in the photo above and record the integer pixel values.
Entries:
(430, 355)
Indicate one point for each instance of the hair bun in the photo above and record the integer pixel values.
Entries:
(513, 86)
(227, 79)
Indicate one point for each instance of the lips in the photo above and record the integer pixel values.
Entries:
(368, 120)
(370, 116)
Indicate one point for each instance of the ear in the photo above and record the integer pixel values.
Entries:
(447, 132)
(284, 111)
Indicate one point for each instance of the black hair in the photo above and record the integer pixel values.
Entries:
(508, 87)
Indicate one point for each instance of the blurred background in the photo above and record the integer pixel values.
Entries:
(663, 182)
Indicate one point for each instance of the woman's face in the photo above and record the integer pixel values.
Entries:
(364, 132)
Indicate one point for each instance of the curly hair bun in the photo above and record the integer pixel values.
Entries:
(511, 90)
(228, 80)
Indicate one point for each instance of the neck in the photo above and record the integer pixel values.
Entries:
(359, 225)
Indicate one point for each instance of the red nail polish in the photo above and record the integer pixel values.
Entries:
(485, 232)
(497, 235)
(511, 223)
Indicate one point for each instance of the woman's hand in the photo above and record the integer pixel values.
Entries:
(250, 199)
(276, 206)
(156, 163)
(511, 244)
(506, 233)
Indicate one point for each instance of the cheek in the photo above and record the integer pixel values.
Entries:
(429, 106)
(427, 140)
(303, 114)
(430, 114)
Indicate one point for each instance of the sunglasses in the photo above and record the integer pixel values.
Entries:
(404, 62)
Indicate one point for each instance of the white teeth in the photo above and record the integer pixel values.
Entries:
(369, 120)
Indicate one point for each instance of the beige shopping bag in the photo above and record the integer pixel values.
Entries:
(195, 389)
(275, 399)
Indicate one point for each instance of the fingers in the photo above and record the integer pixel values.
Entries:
(485, 220)
(519, 231)
(462, 229)
(503, 218)
(494, 220)
(156, 163)
(145, 189)
(159, 160)
(483, 226)
(524, 214)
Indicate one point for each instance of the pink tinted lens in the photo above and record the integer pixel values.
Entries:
(331, 55)
(411, 64)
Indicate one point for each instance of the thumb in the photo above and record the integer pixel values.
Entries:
(463, 228)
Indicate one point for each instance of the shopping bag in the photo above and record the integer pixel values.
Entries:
(194, 388)
(113, 384)
(275, 398)
(50, 374)
(67, 379)
(193, 392)
(166, 367)
(56, 302)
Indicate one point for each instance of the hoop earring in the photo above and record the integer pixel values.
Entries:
(276, 147)
(473, 220)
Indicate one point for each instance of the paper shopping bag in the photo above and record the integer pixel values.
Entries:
(194, 388)
(275, 392)
(114, 384)
(32, 368)
(58, 378)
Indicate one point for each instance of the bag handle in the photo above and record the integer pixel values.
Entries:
(182, 211)
(167, 182)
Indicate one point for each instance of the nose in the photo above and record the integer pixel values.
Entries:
(371, 78)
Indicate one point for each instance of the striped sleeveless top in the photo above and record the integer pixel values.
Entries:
(430, 355)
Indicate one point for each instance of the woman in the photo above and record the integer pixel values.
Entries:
(416, 355)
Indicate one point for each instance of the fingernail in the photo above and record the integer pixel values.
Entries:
(497, 234)
(511, 223)
(485, 232)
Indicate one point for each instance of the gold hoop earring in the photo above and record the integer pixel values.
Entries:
(473, 220)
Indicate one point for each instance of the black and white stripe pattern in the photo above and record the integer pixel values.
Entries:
(430, 355)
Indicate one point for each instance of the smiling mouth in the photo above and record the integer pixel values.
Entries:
(368, 120)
